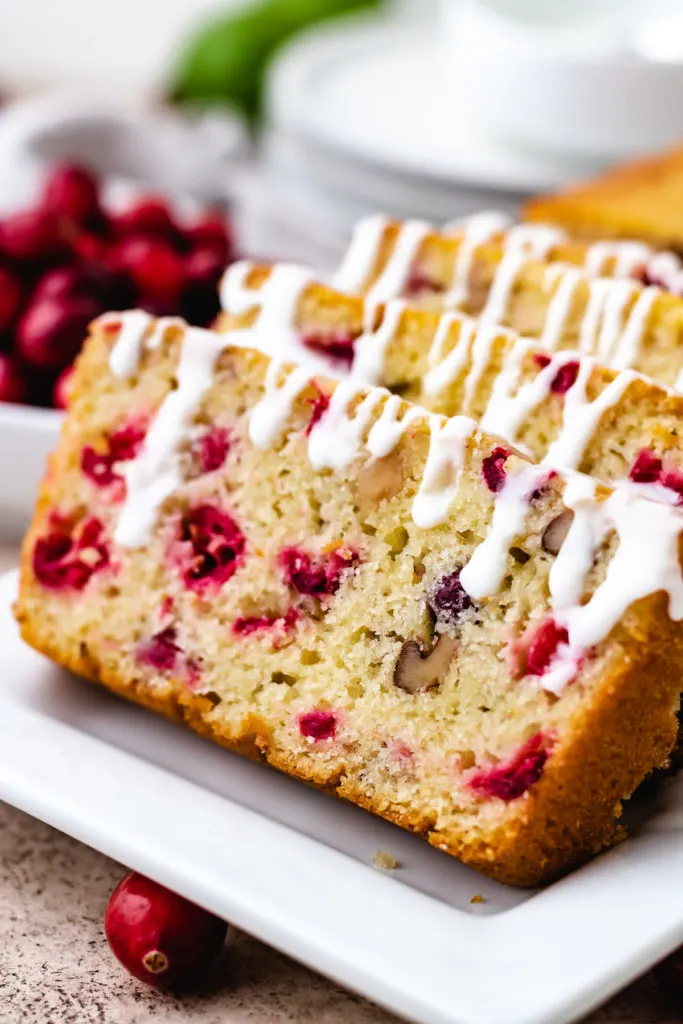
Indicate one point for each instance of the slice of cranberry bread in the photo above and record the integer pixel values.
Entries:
(375, 599)
(559, 407)
(642, 199)
(468, 265)
(622, 324)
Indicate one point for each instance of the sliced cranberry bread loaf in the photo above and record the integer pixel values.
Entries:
(375, 599)
(481, 263)
(558, 407)
(641, 330)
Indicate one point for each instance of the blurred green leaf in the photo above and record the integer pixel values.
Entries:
(226, 60)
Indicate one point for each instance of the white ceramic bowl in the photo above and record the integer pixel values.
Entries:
(595, 84)
(169, 154)
(27, 436)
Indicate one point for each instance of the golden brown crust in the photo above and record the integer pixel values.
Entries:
(642, 200)
(568, 816)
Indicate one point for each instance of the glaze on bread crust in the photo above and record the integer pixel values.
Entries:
(559, 407)
(359, 592)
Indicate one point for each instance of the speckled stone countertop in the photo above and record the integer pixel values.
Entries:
(55, 965)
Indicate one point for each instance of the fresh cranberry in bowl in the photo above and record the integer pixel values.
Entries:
(50, 333)
(153, 265)
(11, 294)
(148, 216)
(31, 236)
(211, 232)
(12, 380)
(72, 192)
(160, 938)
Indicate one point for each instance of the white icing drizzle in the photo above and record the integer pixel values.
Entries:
(501, 286)
(393, 279)
(155, 472)
(124, 357)
(560, 304)
(510, 404)
(603, 315)
(444, 371)
(159, 333)
(336, 439)
(616, 300)
(628, 258)
(275, 330)
(388, 428)
(628, 345)
(361, 255)
(666, 268)
(678, 383)
(492, 222)
(646, 562)
(441, 473)
(533, 240)
(486, 335)
(475, 231)
(370, 348)
(483, 574)
(269, 416)
(581, 417)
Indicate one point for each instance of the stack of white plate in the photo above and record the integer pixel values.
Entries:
(364, 118)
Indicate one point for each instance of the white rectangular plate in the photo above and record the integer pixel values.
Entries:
(293, 866)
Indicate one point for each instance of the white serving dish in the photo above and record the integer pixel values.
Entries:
(578, 80)
(370, 95)
(293, 866)
(27, 436)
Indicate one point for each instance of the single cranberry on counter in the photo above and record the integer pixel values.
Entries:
(10, 298)
(148, 216)
(50, 333)
(72, 192)
(12, 381)
(154, 266)
(160, 937)
(32, 235)
(60, 394)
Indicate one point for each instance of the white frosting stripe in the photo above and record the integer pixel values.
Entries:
(581, 417)
(124, 357)
(371, 347)
(627, 348)
(336, 439)
(560, 304)
(269, 416)
(444, 371)
(361, 255)
(441, 474)
(475, 231)
(628, 258)
(155, 473)
(483, 574)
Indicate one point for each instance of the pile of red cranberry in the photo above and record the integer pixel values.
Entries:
(68, 259)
